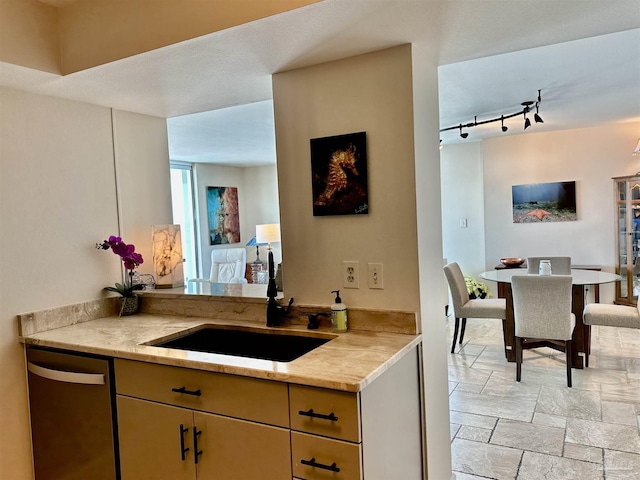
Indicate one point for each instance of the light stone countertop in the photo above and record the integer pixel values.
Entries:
(349, 362)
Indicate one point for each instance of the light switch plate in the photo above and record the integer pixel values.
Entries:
(374, 275)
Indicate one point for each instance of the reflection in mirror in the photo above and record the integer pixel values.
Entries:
(229, 150)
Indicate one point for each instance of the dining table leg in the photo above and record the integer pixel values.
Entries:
(508, 324)
(579, 337)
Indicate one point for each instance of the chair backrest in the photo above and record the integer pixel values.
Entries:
(559, 265)
(457, 285)
(228, 265)
(542, 306)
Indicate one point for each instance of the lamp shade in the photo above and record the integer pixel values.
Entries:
(167, 256)
(636, 152)
(268, 233)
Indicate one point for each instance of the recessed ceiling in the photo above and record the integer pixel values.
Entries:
(234, 67)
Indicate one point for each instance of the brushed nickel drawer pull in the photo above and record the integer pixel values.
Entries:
(195, 393)
(313, 463)
(311, 413)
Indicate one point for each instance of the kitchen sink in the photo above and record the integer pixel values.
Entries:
(277, 347)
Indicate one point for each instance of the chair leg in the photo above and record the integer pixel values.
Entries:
(568, 355)
(518, 358)
(464, 325)
(455, 335)
(587, 344)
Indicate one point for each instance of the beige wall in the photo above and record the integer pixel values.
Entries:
(29, 35)
(87, 33)
(590, 156)
(57, 199)
(371, 93)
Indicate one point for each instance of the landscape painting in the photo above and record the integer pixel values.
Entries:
(222, 210)
(544, 202)
(339, 175)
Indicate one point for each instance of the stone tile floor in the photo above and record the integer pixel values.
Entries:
(539, 428)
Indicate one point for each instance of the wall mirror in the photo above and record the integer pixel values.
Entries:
(224, 184)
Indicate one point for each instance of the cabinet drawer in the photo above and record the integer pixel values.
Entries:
(231, 395)
(333, 459)
(325, 412)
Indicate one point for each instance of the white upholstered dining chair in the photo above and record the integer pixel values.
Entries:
(559, 265)
(464, 307)
(610, 316)
(228, 265)
(542, 315)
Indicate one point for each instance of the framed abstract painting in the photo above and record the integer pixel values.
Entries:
(222, 212)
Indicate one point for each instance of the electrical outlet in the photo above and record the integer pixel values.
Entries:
(374, 275)
(350, 274)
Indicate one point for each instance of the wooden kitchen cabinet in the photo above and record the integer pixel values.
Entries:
(254, 429)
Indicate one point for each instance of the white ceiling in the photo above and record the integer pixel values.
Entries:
(528, 45)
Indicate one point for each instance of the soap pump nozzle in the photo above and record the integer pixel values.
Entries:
(338, 299)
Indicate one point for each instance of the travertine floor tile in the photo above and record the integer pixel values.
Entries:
(584, 453)
(477, 434)
(550, 420)
(485, 460)
(569, 402)
(473, 420)
(617, 412)
(529, 436)
(513, 409)
(621, 466)
(536, 466)
(467, 375)
(498, 387)
(453, 430)
(469, 387)
(606, 435)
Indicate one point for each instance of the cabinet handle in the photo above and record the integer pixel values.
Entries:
(195, 393)
(311, 413)
(313, 463)
(183, 450)
(196, 433)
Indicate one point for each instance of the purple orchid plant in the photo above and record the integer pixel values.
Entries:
(131, 261)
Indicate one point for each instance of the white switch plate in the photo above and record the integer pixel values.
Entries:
(350, 274)
(463, 223)
(374, 275)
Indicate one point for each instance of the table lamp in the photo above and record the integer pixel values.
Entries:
(269, 233)
(254, 243)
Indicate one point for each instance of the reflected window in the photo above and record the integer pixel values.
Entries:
(183, 214)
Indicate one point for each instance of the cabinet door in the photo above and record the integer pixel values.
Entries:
(152, 438)
(239, 450)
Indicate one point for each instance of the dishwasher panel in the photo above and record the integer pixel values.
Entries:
(73, 426)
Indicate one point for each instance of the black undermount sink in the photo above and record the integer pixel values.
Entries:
(243, 343)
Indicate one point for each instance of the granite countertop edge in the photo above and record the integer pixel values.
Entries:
(349, 362)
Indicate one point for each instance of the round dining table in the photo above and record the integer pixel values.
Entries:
(581, 338)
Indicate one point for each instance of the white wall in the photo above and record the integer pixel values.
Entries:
(57, 199)
(591, 157)
(257, 204)
(461, 168)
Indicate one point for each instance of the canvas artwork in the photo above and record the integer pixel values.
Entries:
(339, 175)
(544, 202)
(222, 210)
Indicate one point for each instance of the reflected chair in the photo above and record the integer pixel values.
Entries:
(542, 315)
(228, 265)
(609, 316)
(464, 307)
(559, 265)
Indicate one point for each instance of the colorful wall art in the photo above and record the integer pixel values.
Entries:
(544, 202)
(222, 210)
(339, 175)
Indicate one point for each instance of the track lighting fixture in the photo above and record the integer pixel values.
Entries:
(526, 108)
(537, 117)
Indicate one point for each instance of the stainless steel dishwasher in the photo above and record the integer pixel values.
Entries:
(73, 415)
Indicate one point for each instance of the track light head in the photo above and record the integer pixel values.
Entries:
(538, 118)
(504, 127)
(527, 122)
(463, 135)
